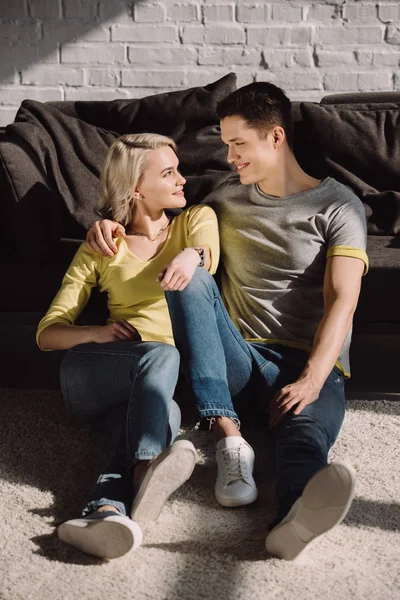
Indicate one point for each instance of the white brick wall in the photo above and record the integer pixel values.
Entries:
(105, 49)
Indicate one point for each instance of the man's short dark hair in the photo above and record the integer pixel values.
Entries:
(262, 105)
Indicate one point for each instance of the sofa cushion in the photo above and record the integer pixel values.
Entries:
(51, 163)
(361, 148)
(31, 286)
(25, 195)
(380, 292)
(173, 113)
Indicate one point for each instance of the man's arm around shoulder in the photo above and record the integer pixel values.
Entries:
(99, 237)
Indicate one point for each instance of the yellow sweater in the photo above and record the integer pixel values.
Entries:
(131, 283)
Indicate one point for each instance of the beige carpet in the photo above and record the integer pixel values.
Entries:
(197, 550)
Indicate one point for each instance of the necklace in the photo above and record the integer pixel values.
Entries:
(150, 236)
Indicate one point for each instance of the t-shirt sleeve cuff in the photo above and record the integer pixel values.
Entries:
(351, 252)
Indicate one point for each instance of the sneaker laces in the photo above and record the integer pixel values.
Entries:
(232, 465)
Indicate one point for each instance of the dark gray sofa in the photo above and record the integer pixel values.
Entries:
(50, 160)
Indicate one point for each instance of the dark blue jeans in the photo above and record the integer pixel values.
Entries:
(130, 385)
(230, 376)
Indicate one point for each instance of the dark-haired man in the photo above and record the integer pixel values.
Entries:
(293, 254)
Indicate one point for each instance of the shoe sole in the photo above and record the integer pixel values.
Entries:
(167, 472)
(108, 538)
(324, 503)
(232, 502)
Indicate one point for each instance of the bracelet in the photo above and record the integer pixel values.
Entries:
(201, 253)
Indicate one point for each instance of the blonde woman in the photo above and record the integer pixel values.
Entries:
(127, 369)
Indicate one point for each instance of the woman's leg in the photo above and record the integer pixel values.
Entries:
(134, 381)
(219, 365)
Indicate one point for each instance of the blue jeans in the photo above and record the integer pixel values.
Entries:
(231, 377)
(129, 386)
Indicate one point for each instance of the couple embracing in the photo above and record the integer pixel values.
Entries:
(273, 344)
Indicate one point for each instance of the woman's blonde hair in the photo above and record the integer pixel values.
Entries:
(124, 166)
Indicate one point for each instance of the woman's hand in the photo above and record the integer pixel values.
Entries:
(177, 273)
(99, 238)
(117, 331)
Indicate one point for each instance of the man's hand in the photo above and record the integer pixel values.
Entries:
(177, 274)
(100, 237)
(294, 396)
(119, 330)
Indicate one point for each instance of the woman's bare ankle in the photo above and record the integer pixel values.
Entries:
(223, 427)
(108, 507)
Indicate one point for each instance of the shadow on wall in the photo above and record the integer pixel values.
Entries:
(33, 31)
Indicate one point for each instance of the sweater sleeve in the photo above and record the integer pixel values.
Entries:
(202, 230)
(75, 290)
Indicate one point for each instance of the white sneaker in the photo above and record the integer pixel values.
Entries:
(104, 534)
(235, 485)
(165, 474)
(325, 502)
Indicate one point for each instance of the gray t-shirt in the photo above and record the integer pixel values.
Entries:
(274, 253)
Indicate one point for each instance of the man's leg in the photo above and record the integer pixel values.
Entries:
(312, 497)
(219, 365)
